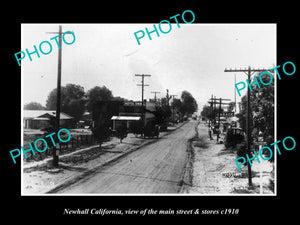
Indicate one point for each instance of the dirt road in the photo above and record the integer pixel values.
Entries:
(155, 168)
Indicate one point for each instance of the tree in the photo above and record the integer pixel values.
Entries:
(262, 109)
(210, 113)
(33, 106)
(206, 111)
(98, 94)
(72, 100)
(163, 111)
(177, 104)
(189, 104)
(231, 106)
(118, 98)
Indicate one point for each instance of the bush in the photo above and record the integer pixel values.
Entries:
(241, 149)
(233, 137)
(101, 134)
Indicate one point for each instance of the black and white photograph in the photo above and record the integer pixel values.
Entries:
(150, 112)
(175, 108)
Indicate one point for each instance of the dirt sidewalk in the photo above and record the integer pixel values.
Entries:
(215, 170)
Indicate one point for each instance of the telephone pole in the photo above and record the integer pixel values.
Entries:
(155, 92)
(58, 94)
(212, 109)
(250, 71)
(143, 85)
(167, 97)
(211, 113)
(234, 94)
(214, 101)
(172, 96)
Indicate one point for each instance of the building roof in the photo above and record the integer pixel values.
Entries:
(32, 114)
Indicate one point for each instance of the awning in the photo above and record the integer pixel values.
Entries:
(232, 119)
(40, 118)
(134, 118)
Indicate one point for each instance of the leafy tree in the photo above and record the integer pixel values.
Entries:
(189, 104)
(163, 111)
(209, 113)
(177, 104)
(101, 133)
(33, 106)
(206, 111)
(262, 110)
(75, 91)
(118, 98)
(72, 100)
(51, 100)
(231, 106)
(98, 94)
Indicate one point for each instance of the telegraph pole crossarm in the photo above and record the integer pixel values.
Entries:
(214, 101)
(247, 71)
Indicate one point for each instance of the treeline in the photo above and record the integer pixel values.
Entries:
(75, 101)
(262, 111)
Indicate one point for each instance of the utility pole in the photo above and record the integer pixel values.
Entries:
(234, 94)
(58, 97)
(143, 85)
(214, 107)
(167, 97)
(155, 92)
(250, 71)
(214, 101)
(211, 112)
(58, 94)
(172, 96)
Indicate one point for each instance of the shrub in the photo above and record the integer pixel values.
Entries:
(241, 149)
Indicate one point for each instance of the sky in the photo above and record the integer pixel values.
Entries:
(192, 58)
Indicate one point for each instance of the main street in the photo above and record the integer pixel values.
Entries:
(154, 168)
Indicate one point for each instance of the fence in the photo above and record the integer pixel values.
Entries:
(77, 141)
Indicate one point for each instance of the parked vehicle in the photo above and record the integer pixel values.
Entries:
(163, 127)
(233, 137)
(151, 130)
(121, 131)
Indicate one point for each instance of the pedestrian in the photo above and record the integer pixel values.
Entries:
(210, 133)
